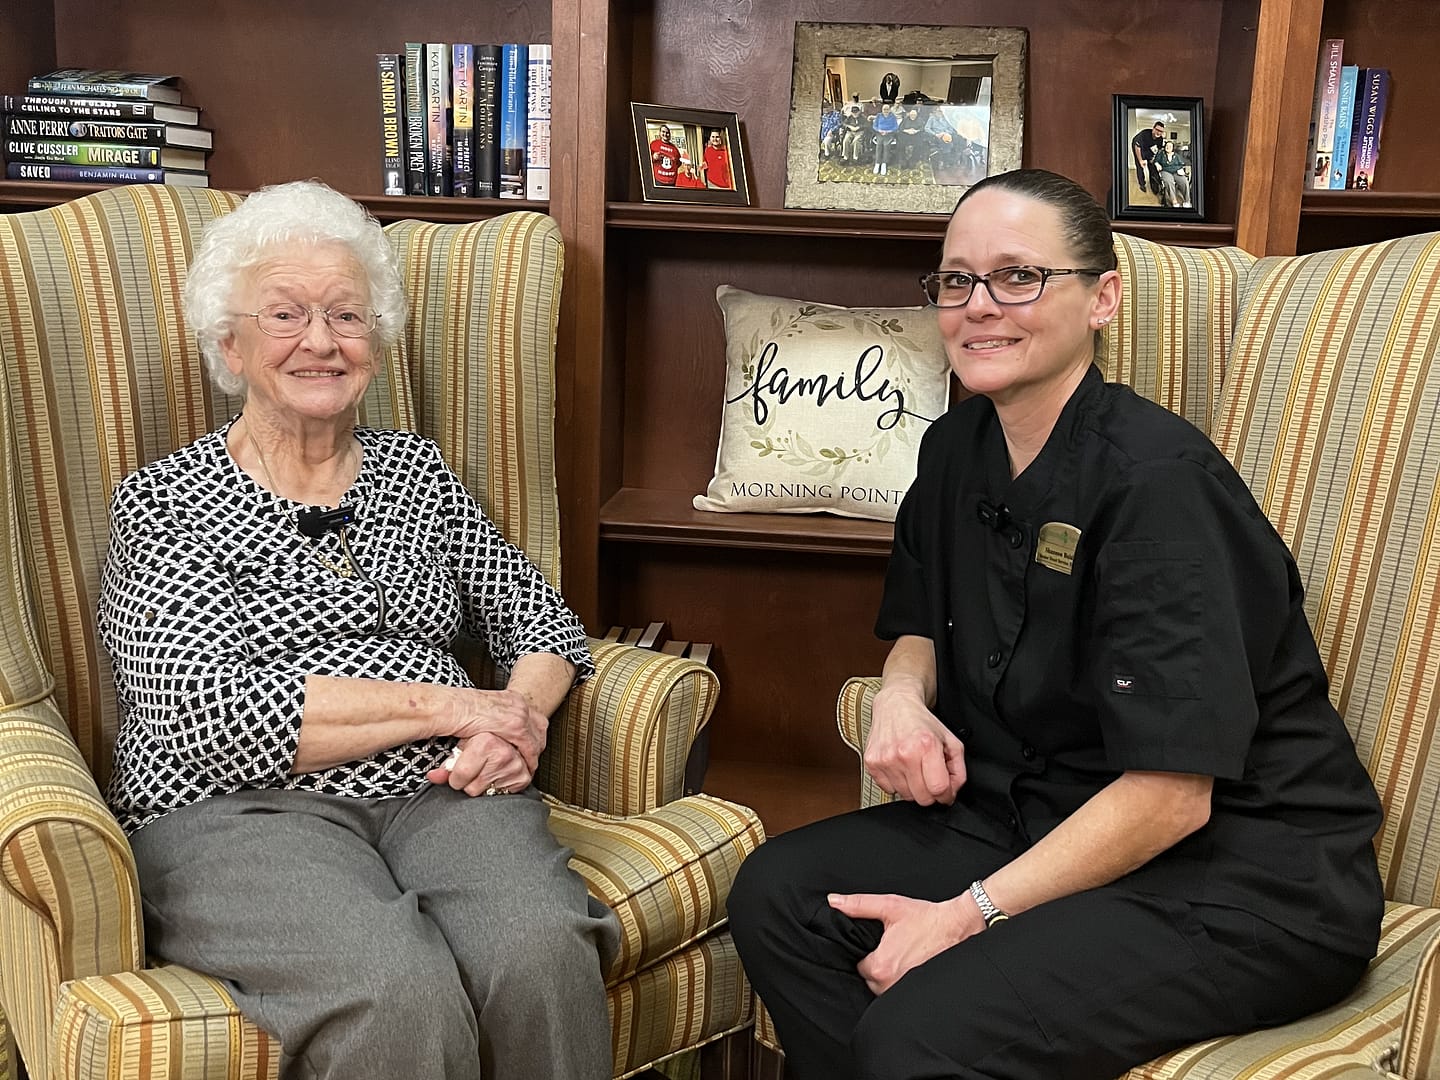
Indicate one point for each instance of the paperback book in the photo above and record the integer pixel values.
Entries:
(1344, 122)
(89, 82)
(487, 121)
(98, 108)
(1370, 111)
(514, 74)
(462, 124)
(1326, 103)
(103, 174)
(391, 70)
(414, 118)
(537, 123)
(437, 118)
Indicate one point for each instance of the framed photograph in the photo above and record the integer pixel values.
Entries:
(902, 118)
(1159, 158)
(690, 155)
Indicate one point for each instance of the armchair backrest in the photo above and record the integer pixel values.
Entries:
(1331, 413)
(1171, 337)
(99, 375)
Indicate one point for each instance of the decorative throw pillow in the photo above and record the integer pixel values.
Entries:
(824, 406)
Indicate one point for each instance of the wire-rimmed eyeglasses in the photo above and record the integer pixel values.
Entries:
(1008, 285)
(291, 320)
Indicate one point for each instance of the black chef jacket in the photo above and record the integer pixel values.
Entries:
(1177, 642)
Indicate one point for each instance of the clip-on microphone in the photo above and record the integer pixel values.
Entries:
(315, 523)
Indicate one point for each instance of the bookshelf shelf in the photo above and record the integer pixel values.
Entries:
(637, 515)
(38, 195)
(1391, 204)
(840, 224)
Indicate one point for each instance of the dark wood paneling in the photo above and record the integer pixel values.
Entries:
(27, 42)
(290, 88)
(740, 58)
(787, 796)
(1401, 35)
(788, 630)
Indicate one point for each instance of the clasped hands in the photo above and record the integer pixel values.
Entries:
(910, 754)
(501, 735)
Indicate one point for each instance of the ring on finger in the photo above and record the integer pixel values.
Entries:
(494, 790)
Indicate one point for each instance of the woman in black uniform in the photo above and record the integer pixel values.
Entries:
(1129, 817)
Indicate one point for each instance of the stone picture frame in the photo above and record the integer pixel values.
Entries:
(810, 182)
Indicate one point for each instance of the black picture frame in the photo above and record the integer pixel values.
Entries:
(686, 178)
(1137, 121)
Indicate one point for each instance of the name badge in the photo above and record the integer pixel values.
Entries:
(1055, 547)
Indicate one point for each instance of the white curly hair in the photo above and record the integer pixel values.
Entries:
(304, 212)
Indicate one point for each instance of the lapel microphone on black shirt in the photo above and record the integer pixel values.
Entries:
(315, 523)
(995, 518)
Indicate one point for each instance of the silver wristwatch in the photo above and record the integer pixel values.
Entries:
(988, 911)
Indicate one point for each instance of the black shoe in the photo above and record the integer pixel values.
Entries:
(1143, 188)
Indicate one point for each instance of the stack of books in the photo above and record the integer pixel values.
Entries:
(1348, 114)
(78, 125)
(472, 121)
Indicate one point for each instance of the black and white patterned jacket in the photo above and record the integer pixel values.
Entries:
(214, 607)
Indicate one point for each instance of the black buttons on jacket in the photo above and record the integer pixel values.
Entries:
(962, 733)
(994, 658)
(1027, 752)
(1017, 538)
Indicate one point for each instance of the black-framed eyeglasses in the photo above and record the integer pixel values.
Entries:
(1008, 285)
(290, 320)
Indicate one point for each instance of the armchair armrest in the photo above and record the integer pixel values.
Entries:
(619, 743)
(852, 717)
(1419, 1051)
(69, 896)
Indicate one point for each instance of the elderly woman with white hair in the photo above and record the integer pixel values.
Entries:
(300, 752)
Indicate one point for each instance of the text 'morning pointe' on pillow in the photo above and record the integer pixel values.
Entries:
(824, 406)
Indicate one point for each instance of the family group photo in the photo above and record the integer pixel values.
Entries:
(904, 121)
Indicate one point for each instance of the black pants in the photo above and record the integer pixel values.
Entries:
(1085, 986)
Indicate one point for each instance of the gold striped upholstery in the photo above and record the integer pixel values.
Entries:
(1330, 410)
(469, 347)
(1330, 415)
(619, 743)
(1171, 337)
(666, 873)
(99, 376)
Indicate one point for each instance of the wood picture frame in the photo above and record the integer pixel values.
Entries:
(964, 82)
(689, 155)
(1159, 158)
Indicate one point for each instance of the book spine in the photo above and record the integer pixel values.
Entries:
(82, 108)
(414, 118)
(487, 121)
(58, 152)
(1344, 121)
(82, 174)
(437, 118)
(83, 88)
(1371, 107)
(1330, 64)
(462, 133)
(537, 123)
(42, 127)
(513, 76)
(390, 69)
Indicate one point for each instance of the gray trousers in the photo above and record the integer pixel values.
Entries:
(436, 935)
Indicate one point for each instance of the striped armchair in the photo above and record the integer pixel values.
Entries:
(98, 376)
(1319, 378)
